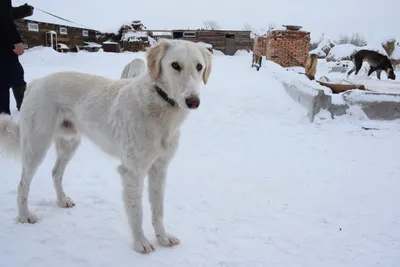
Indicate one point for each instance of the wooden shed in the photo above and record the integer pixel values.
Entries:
(42, 29)
(226, 41)
(112, 47)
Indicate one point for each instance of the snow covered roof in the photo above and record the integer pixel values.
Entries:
(62, 46)
(323, 48)
(92, 44)
(133, 36)
(41, 16)
(162, 33)
(341, 51)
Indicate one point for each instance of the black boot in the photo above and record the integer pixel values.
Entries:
(18, 92)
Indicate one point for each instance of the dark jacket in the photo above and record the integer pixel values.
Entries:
(8, 32)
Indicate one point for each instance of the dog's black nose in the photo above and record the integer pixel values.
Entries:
(193, 102)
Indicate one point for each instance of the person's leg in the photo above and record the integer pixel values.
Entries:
(4, 89)
(18, 83)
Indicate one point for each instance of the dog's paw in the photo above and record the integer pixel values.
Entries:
(29, 218)
(66, 203)
(168, 240)
(143, 246)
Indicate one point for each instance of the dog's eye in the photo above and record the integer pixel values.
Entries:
(176, 66)
(199, 67)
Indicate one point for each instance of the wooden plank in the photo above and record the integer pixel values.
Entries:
(340, 88)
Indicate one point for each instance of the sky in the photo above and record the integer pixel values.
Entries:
(373, 19)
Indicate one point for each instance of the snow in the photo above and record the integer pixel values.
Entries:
(62, 46)
(252, 184)
(165, 33)
(396, 53)
(341, 51)
(375, 46)
(92, 44)
(152, 41)
(242, 52)
(323, 48)
(206, 45)
(133, 36)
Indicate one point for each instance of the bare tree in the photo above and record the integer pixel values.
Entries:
(248, 27)
(271, 26)
(355, 39)
(211, 25)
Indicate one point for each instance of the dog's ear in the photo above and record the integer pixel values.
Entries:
(208, 59)
(154, 56)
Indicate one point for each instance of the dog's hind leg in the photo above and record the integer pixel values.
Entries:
(33, 150)
(350, 72)
(371, 70)
(378, 74)
(66, 148)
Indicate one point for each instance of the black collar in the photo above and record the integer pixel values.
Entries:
(164, 95)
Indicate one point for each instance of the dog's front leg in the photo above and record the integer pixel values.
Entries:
(157, 177)
(132, 180)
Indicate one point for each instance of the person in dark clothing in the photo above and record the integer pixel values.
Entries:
(11, 47)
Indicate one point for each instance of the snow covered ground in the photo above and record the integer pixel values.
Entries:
(253, 184)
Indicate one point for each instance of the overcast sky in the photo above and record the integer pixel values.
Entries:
(374, 19)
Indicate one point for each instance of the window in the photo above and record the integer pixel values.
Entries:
(63, 30)
(177, 35)
(189, 34)
(33, 27)
(85, 33)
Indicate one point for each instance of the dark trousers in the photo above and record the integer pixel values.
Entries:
(11, 76)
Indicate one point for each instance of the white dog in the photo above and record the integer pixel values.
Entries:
(136, 120)
(133, 69)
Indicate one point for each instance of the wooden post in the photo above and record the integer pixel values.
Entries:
(311, 66)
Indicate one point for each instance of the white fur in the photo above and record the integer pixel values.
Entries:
(125, 118)
(133, 69)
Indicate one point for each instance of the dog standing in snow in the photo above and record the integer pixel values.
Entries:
(375, 60)
(135, 120)
(133, 69)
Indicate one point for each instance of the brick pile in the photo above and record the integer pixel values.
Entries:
(260, 45)
(288, 48)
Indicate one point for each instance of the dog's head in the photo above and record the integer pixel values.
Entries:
(390, 74)
(180, 66)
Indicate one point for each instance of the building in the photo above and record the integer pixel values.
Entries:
(225, 41)
(42, 29)
(160, 34)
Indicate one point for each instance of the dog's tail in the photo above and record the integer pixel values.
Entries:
(9, 136)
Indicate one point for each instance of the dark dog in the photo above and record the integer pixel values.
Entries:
(376, 61)
(22, 12)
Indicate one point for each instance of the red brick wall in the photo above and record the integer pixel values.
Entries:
(288, 48)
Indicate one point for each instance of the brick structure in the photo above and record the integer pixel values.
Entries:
(288, 48)
(260, 45)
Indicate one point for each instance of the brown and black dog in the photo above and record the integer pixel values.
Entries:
(376, 61)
